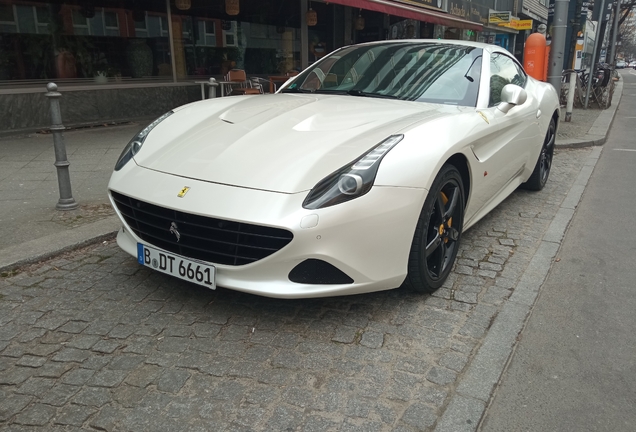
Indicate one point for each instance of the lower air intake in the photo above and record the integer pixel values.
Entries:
(318, 272)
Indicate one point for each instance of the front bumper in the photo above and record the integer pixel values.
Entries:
(368, 238)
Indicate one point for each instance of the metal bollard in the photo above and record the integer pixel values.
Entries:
(66, 201)
(213, 85)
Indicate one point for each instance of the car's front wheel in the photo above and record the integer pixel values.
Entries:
(439, 229)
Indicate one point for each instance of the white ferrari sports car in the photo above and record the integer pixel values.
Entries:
(358, 175)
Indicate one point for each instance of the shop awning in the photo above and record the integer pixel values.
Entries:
(412, 12)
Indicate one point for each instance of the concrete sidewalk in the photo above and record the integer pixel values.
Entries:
(31, 229)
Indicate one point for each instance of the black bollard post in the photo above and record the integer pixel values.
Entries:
(66, 201)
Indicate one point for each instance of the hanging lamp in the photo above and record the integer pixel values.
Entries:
(359, 21)
(183, 4)
(232, 7)
(311, 17)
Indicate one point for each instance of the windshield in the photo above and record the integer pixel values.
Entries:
(422, 72)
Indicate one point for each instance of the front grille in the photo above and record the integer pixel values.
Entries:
(203, 238)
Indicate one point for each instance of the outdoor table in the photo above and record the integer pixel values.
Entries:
(276, 79)
(212, 84)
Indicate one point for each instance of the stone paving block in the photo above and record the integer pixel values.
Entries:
(317, 423)
(77, 376)
(419, 416)
(172, 380)
(128, 396)
(107, 378)
(27, 336)
(10, 331)
(359, 407)
(299, 397)
(106, 419)
(453, 361)
(36, 415)
(59, 394)
(74, 415)
(143, 376)
(345, 334)
(122, 331)
(106, 346)
(82, 342)
(125, 362)
(31, 361)
(173, 344)
(96, 362)
(228, 390)
(74, 327)
(51, 322)
(53, 370)
(28, 318)
(284, 418)
(93, 397)
(100, 328)
(71, 355)
(372, 339)
(17, 375)
(12, 405)
(441, 376)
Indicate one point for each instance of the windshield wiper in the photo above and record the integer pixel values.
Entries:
(295, 90)
(368, 94)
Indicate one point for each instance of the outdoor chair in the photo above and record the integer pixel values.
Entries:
(240, 85)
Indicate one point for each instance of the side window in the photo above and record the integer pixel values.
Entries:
(503, 70)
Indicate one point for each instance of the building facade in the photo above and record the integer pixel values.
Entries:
(117, 60)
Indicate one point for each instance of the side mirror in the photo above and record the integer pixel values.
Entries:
(511, 96)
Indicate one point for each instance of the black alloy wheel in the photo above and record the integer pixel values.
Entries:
(438, 232)
(541, 172)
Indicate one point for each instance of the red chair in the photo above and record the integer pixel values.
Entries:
(240, 85)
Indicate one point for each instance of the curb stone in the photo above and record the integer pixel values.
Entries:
(467, 406)
(55, 244)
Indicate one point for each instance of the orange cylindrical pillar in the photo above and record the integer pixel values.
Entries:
(534, 59)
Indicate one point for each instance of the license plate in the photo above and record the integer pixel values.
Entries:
(177, 266)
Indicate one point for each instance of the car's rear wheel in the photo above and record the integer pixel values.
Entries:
(438, 232)
(541, 172)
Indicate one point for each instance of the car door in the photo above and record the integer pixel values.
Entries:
(504, 151)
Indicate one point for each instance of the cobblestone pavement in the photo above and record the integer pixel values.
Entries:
(92, 341)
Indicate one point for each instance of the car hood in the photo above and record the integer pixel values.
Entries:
(283, 142)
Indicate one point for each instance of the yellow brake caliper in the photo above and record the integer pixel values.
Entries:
(450, 220)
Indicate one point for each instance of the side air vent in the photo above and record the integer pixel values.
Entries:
(318, 272)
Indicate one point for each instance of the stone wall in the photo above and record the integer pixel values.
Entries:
(30, 111)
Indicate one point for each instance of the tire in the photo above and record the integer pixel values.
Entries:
(438, 233)
(541, 172)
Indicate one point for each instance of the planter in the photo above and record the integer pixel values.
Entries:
(65, 65)
(139, 56)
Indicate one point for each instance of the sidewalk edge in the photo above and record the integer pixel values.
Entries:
(467, 407)
(52, 245)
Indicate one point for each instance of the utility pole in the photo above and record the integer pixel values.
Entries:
(557, 46)
(597, 42)
(617, 13)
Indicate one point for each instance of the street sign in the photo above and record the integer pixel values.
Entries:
(518, 24)
(499, 17)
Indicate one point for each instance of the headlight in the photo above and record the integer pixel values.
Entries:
(133, 147)
(351, 181)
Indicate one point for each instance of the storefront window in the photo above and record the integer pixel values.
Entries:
(91, 41)
(262, 39)
(108, 41)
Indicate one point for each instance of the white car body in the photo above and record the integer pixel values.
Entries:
(254, 159)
